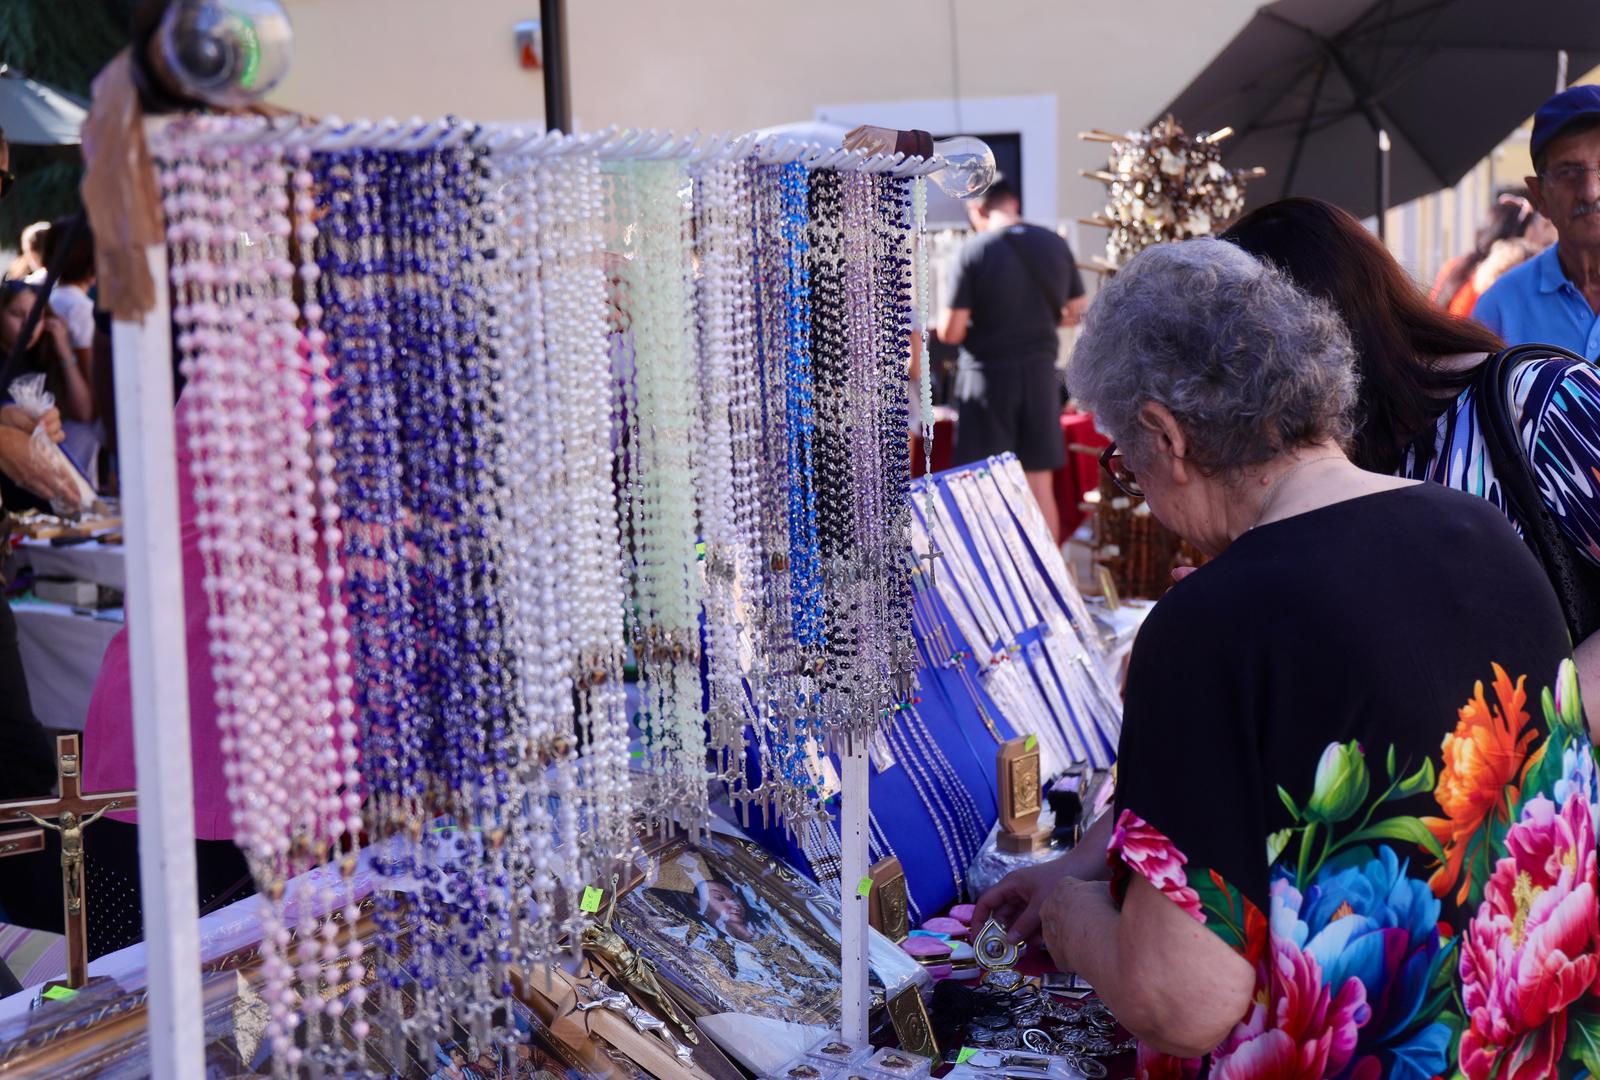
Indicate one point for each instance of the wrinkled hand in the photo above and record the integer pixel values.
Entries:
(52, 480)
(15, 416)
(1017, 901)
(1063, 906)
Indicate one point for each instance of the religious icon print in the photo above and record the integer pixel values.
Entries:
(736, 931)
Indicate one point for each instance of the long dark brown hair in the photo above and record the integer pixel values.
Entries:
(1398, 335)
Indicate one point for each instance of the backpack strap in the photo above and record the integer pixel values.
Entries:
(1039, 279)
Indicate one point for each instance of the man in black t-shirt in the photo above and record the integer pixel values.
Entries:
(1012, 286)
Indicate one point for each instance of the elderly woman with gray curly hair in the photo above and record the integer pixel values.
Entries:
(1354, 827)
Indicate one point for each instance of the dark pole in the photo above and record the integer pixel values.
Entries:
(1383, 184)
(557, 88)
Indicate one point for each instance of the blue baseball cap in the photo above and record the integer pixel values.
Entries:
(1559, 113)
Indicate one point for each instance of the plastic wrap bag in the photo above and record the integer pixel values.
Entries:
(29, 394)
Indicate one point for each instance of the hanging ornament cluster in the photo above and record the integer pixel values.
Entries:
(1165, 185)
(481, 425)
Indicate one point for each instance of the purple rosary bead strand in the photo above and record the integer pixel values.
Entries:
(482, 717)
(363, 426)
(506, 800)
(418, 219)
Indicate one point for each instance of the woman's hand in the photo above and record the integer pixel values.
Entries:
(1018, 900)
(1170, 980)
(15, 416)
(17, 460)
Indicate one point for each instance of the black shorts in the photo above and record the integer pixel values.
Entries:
(1014, 407)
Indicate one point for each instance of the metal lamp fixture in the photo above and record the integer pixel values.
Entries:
(223, 53)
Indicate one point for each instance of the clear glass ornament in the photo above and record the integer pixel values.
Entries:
(225, 52)
(970, 170)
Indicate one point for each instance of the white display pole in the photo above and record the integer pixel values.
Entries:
(853, 816)
(158, 668)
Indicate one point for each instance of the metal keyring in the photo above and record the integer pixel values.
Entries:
(1038, 1040)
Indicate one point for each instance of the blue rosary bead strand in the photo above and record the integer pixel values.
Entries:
(800, 419)
(785, 705)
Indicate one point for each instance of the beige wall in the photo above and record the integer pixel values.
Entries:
(742, 64)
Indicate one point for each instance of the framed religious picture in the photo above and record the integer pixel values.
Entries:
(1017, 773)
(749, 946)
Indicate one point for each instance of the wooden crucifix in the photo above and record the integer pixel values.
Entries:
(69, 813)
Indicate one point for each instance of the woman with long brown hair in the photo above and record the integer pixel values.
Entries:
(1418, 409)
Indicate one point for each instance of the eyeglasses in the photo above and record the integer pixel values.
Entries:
(1122, 476)
(1572, 176)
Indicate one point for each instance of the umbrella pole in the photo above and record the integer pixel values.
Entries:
(1383, 184)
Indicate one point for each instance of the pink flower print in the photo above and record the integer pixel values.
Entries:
(1303, 1030)
(1534, 946)
(1149, 853)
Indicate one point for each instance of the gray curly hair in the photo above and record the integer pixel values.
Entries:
(1249, 365)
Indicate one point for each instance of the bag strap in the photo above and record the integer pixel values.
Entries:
(1575, 580)
(1039, 279)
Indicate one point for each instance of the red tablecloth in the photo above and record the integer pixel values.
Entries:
(1081, 473)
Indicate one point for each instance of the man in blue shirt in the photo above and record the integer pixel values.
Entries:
(1554, 298)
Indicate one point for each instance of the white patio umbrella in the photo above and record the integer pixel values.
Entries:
(34, 114)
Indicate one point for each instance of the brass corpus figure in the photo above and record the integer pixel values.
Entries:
(636, 973)
(71, 830)
(69, 813)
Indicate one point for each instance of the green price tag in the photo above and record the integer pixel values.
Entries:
(967, 1053)
(591, 900)
(864, 888)
(1033, 740)
(59, 993)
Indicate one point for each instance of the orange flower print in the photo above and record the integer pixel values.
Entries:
(1482, 758)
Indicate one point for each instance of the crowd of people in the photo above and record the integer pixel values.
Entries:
(1355, 745)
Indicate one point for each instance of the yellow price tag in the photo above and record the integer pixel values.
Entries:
(591, 900)
(967, 1054)
(59, 993)
(864, 887)
(1033, 740)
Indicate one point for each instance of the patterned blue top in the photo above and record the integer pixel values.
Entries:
(1557, 405)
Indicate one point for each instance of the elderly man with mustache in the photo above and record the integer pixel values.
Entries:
(1554, 298)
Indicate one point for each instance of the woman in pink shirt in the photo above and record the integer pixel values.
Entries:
(31, 896)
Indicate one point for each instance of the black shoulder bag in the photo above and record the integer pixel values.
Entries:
(1575, 579)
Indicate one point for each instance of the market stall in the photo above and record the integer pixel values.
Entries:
(585, 659)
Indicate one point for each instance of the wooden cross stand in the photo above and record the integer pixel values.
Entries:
(68, 814)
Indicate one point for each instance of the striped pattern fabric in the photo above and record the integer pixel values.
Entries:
(1557, 405)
